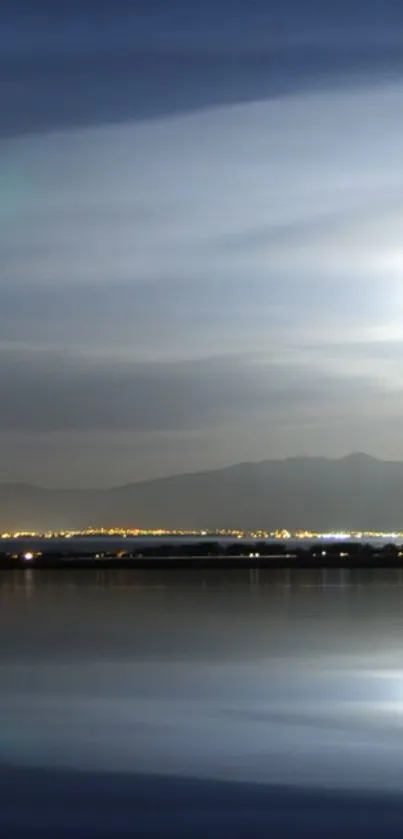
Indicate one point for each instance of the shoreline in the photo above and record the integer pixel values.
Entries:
(377, 561)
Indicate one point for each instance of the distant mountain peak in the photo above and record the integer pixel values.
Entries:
(355, 492)
(360, 457)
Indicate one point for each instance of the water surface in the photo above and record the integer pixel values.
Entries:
(291, 678)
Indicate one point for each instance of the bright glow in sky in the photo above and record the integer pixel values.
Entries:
(245, 256)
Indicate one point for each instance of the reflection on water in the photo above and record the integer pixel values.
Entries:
(288, 676)
(271, 580)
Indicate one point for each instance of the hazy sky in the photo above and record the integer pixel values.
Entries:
(201, 227)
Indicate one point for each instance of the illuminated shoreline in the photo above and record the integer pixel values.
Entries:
(203, 534)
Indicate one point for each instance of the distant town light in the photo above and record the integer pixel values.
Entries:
(28, 557)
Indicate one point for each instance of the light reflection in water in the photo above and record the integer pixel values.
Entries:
(248, 674)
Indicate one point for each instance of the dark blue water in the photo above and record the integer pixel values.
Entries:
(238, 703)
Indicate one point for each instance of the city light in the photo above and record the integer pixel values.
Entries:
(274, 535)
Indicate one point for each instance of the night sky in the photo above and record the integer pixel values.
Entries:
(201, 226)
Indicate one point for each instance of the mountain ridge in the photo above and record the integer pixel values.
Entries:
(357, 492)
(353, 456)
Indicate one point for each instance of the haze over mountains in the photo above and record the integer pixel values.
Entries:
(355, 492)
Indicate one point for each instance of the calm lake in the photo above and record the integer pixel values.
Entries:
(255, 677)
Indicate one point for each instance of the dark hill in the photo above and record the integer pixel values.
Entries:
(355, 492)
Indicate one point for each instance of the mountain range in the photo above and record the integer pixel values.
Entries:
(357, 492)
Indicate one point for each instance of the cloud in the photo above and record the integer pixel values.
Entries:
(69, 66)
(45, 392)
(232, 277)
(292, 205)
